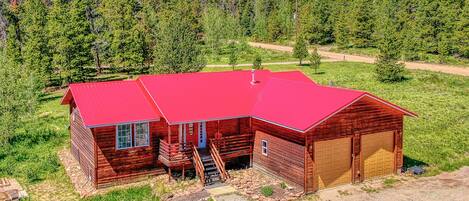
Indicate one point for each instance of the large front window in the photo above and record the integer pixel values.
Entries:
(124, 136)
(142, 135)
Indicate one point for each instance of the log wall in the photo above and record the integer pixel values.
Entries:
(284, 159)
(114, 165)
(82, 144)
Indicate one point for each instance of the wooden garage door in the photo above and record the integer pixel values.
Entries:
(333, 162)
(378, 154)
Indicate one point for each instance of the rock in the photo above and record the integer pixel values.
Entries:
(255, 197)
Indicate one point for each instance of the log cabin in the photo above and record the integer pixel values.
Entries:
(309, 135)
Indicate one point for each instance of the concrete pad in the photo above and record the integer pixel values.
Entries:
(221, 190)
(230, 197)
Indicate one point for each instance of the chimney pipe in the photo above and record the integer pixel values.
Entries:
(253, 77)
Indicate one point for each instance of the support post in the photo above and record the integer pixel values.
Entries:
(169, 174)
(183, 172)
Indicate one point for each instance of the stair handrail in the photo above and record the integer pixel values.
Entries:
(199, 167)
(218, 161)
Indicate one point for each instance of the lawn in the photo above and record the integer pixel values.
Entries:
(246, 55)
(439, 137)
(430, 58)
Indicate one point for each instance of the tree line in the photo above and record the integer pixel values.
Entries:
(55, 42)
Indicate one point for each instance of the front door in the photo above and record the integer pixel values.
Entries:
(202, 134)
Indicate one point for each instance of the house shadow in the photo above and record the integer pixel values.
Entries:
(410, 162)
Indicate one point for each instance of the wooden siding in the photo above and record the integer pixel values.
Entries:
(284, 159)
(277, 131)
(365, 116)
(115, 164)
(82, 145)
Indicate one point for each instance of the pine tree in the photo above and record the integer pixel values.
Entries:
(300, 50)
(315, 21)
(411, 46)
(177, 47)
(361, 23)
(70, 39)
(257, 63)
(280, 21)
(124, 32)
(215, 31)
(341, 24)
(462, 31)
(387, 67)
(315, 60)
(233, 55)
(260, 20)
(247, 18)
(35, 50)
(17, 93)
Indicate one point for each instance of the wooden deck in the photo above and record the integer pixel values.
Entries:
(178, 154)
(175, 155)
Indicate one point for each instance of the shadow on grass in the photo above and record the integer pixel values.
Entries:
(49, 97)
(410, 162)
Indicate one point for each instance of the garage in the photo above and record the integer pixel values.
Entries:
(377, 154)
(333, 162)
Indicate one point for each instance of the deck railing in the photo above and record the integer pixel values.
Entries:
(234, 146)
(199, 166)
(218, 161)
(175, 154)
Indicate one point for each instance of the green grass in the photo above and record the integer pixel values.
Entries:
(143, 193)
(267, 191)
(439, 137)
(246, 55)
(430, 58)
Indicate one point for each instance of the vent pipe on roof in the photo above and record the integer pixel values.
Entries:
(253, 77)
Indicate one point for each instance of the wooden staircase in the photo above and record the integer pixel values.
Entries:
(212, 175)
(209, 166)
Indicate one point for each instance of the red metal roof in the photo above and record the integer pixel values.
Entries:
(288, 99)
(110, 103)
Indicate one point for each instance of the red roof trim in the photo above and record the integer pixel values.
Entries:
(121, 123)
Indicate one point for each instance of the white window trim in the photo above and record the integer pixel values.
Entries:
(266, 147)
(117, 137)
(148, 134)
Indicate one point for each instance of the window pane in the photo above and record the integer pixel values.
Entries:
(142, 137)
(124, 136)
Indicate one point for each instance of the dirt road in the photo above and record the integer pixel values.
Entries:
(453, 186)
(347, 57)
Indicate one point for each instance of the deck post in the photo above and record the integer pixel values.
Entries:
(169, 174)
(183, 172)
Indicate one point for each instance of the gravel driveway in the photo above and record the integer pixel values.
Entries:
(453, 186)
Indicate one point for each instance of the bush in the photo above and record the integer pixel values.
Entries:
(283, 185)
(257, 64)
(389, 71)
(267, 191)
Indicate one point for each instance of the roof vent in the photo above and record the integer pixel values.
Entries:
(253, 77)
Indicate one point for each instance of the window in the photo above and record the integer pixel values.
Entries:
(264, 147)
(142, 135)
(124, 136)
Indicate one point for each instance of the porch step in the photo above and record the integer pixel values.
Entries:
(212, 175)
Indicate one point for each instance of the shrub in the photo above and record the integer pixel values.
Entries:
(257, 64)
(267, 191)
(283, 185)
(389, 71)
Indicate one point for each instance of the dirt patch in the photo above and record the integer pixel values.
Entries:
(250, 181)
(446, 186)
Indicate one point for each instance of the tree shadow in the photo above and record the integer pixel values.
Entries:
(410, 162)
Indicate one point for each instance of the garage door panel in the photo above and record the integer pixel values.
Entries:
(378, 154)
(333, 162)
